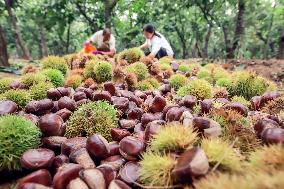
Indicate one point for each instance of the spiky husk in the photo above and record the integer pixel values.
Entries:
(173, 137)
(29, 69)
(225, 82)
(274, 107)
(131, 80)
(130, 55)
(39, 91)
(267, 158)
(32, 79)
(222, 154)
(55, 62)
(220, 92)
(20, 97)
(154, 82)
(77, 71)
(165, 60)
(103, 71)
(17, 135)
(144, 85)
(54, 76)
(138, 68)
(89, 69)
(241, 100)
(94, 117)
(5, 84)
(184, 68)
(88, 82)
(176, 81)
(259, 180)
(199, 88)
(156, 170)
(205, 74)
(73, 81)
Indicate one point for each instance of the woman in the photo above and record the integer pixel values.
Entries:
(156, 42)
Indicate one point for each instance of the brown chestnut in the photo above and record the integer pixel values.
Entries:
(77, 183)
(157, 104)
(120, 103)
(40, 158)
(188, 101)
(51, 125)
(94, 178)
(53, 94)
(41, 176)
(273, 136)
(238, 107)
(263, 124)
(7, 107)
(79, 96)
(114, 148)
(129, 173)
(72, 144)
(174, 114)
(118, 184)
(104, 95)
(53, 142)
(115, 161)
(64, 114)
(66, 102)
(109, 172)
(127, 123)
(131, 147)
(82, 157)
(118, 134)
(206, 105)
(33, 186)
(59, 161)
(98, 146)
(135, 113)
(109, 86)
(65, 174)
(255, 102)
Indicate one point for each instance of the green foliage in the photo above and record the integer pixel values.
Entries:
(94, 117)
(103, 71)
(55, 76)
(224, 82)
(165, 60)
(221, 153)
(30, 79)
(89, 69)
(173, 137)
(144, 85)
(130, 55)
(165, 66)
(4, 84)
(39, 91)
(138, 68)
(17, 135)
(241, 100)
(20, 97)
(156, 169)
(176, 81)
(204, 74)
(184, 68)
(198, 88)
(154, 82)
(55, 62)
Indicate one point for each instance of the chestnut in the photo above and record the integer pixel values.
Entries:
(63, 91)
(174, 114)
(59, 161)
(120, 103)
(268, 96)
(80, 95)
(157, 104)
(104, 95)
(17, 85)
(53, 142)
(72, 144)
(191, 163)
(273, 136)
(118, 134)
(206, 105)
(129, 173)
(109, 86)
(201, 123)
(30, 185)
(81, 102)
(152, 128)
(66, 102)
(34, 159)
(131, 147)
(263, 124)
(98, 146)
(33, 118)
(175, 66)
(64, 114)
(114, 148)
(51, 125)
(77, 183)
(53, 94)
(187, 119)
(165, 88)
(82, 157)
(255, 102)
(115, 161)
(118, 184)
(45, 105)
(41, 176)
(32, 107)
(94, 178)
(140, 94)
(166, 109)
(7, 107)
(109, 173)
(127, 123)
(148, 117)
(188, 101)
(238, 107)
(65, 174)
(135, 113)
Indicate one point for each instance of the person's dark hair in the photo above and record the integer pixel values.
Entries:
(150, 29)
(106, 30)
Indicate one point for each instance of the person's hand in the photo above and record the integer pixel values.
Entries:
(86, 43)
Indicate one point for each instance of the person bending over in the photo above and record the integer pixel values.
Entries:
(156, 42)
(104, 42)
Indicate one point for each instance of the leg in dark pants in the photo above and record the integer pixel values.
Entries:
(161, 53)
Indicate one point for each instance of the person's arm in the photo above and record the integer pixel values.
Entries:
(93, 39)
(145, 45)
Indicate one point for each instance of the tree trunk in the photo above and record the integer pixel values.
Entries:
(68, 39)
(239, 28)
(17, 33)
(3, 49)
(226, 40)
(42, 42)
(267, 42)
(281, 45)
(109, 6)
(206, 42)
(183, 42)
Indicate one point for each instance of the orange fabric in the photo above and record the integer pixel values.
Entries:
(89, 48)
